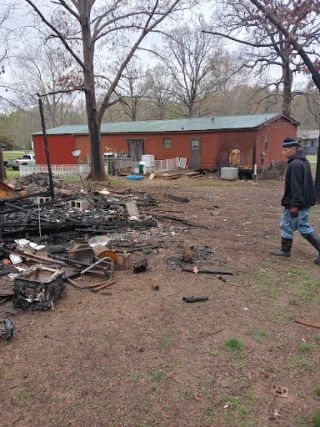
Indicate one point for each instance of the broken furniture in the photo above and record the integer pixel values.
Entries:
(38, 288)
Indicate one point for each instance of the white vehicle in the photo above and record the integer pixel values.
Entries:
(26, 160)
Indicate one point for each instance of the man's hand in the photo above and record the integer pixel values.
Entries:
(294, 213)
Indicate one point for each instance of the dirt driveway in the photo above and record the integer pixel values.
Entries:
(146, 358)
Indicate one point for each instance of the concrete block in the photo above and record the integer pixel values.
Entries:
(40, 200)
(80, 205)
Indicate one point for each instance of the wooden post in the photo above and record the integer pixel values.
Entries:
(46, 147)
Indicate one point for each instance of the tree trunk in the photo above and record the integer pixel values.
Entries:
(97, 171)
(287, 76)
(3, 174)
(317, 180)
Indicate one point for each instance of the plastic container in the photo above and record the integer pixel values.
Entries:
(135, 177)
(230, 174)
(142, 167)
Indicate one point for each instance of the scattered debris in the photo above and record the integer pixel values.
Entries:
(178, 198)
(279, 391)
(188, 257)
(140, 266)
(133, 210)
(174, 218)
(195, 299)
(205, 271)
(7, 329)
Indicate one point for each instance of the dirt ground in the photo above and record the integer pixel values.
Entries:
(146, 358)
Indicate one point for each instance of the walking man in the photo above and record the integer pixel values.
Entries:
(298, 197)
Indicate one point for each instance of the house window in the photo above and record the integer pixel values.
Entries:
(195, 145)
(266, 142)
(308, 143)
(167, 143)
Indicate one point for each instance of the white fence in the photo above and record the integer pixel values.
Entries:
(169, 164)
(66, 171)
(162, 165)
(74, 171)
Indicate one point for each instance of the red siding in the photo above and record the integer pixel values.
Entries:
(216, 146)
(275, 132)
(60, 149)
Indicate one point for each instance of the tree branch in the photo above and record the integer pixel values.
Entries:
(63, 40)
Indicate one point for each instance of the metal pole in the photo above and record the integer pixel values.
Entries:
(46, 147)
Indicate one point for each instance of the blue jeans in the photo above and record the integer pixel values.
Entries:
(289, 225)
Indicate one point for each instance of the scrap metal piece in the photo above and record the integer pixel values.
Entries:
(107, 260)
(7, 329)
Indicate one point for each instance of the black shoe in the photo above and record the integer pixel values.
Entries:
(285, 250)
(314, 239)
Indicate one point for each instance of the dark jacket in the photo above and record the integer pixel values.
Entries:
(299, 189)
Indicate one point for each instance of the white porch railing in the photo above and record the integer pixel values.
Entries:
(169, 164)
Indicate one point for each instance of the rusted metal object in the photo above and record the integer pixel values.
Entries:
(308, 324)
(6, 192)
(105, 260)
(103, 285)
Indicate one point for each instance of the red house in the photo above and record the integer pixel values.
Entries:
(207, 142)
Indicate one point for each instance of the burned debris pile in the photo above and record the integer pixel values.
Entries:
(66, 218)
(81, 237)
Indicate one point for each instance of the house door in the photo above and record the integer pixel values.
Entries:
(195, 153)
(135, 149)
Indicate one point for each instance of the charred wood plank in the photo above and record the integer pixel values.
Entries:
(17, 199)
(205, 271)
(177, 198)
(183, 221)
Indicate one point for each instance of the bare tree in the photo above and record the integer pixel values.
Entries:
(5, 31)
(43, 70)
(303, 32)
(120, 26)
(158, 91)
(265, 46)
(131, 89)
(191, 60)
(19, 125)
(303, 15)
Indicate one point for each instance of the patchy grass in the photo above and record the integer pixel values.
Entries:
(23, 395)
(12, 174)
(234, 344)
(165, 341)
(305, 348)
(316, 418)
(158, 376)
